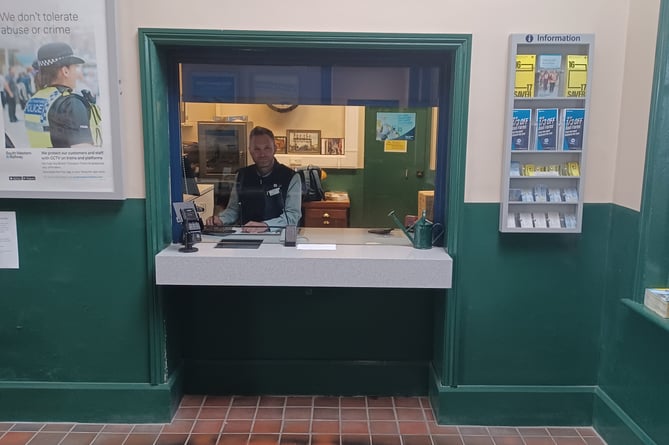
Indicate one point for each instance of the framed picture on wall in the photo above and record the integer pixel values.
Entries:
(304, 141)
(332, 146)
(280, 143)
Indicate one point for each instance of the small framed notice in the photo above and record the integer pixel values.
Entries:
(9, 246)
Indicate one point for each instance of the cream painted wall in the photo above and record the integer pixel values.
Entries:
(635, 105)
(489, 22)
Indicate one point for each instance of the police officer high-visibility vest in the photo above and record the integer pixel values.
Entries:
(49, 112)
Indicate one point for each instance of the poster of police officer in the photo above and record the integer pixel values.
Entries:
(54, 83)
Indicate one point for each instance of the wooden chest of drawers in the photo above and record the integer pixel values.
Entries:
(326, 213)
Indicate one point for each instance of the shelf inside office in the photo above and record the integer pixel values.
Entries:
(550, 203)
(543, 152)
(544, 177)
(539, 230)
(646, 313)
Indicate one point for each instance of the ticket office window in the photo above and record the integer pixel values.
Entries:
(319, 91)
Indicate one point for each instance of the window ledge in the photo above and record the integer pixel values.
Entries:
(646, 313)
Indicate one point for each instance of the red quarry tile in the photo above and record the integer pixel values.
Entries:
(534, 440)
(81, 439)
(429, 414)
(116, 428)
(245, 401)
(563, 432)
(407, 402)
(202, 439)
(297, 413)
(416, 440)
(413, 428)
(446, 440)
(473, 430)
(109, 439)
(354, 427)
(207, 427)
(410, 414)
(526, 431)
(353, 402)
(237, 426)
(380, 402)
(325, 427)
(187, 413)
(300, 401)
(296, 426)
(442, 429)
(325, 439)
(267, 426)
(233, 439)
(147, 428)
(62, 427)
(171, 439)
(27, 426)
(355, 440)
(241, 413)
(586, 431)
(383, 427)
(387, 440)
(381, 414)
(477, 440)
(353, 414)
(264, 439)
(272, 401)
(218, 401)
(269, 413)
(323, 401)
(213, 413)
(139, 439)
(503, 431)
(87, 428)
(16, 437)
(569, 441)
(53, 438)
(294, 439)
(508, 440)
(326, 413)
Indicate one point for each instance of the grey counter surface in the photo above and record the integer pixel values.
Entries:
(341, 258)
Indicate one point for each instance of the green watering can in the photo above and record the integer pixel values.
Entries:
(424, 231)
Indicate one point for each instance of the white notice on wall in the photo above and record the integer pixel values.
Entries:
(9, 245)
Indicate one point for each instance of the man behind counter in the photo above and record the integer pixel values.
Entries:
(267, 194)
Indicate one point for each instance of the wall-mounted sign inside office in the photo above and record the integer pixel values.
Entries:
(395, 126)
(60, 101)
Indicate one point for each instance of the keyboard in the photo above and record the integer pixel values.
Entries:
(217, 230)
(227, 231)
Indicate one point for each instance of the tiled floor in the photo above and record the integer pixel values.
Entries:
(294, 420)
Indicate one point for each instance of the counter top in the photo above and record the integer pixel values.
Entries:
(336, 258)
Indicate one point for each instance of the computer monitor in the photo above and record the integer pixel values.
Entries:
(190, 184)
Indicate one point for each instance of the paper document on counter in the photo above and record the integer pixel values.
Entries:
(316, 247)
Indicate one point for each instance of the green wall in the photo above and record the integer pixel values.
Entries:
(73, 317)
(304, 340)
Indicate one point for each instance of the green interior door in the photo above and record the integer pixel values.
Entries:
(392, 179)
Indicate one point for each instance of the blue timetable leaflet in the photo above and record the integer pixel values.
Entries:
(546, 138)
(520, 129)
(572, 124)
